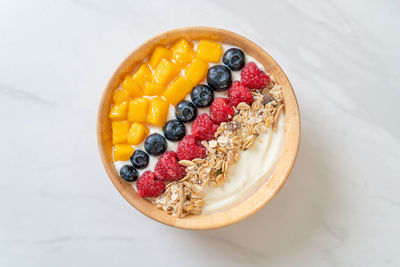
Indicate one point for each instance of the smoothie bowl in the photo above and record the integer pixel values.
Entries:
(198, 128)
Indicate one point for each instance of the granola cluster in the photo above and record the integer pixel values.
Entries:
(185, 196)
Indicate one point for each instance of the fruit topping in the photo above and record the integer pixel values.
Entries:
(119, 131)
(123, 152)
(202, 96)
(159, 53)
(203, 128)
(168, 168)
(137, 133)
(132, 87)
(254, 78)
(119, 111)
(190, 148)
(155, 144)
(138, 109)
(238, 93)
(209, 51)
(142, 75)
(221, 110)
(140, 159)
(165, 72)
(151, 89)
(174, 130)
(178, 90)
(158, 111)
(219, 77)
(120, 95)
(148, 186)
(196, 71)
(182, 52)
(234, 59)
(128, 173)
(185, 111)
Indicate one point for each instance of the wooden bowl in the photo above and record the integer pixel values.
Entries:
(255, 201)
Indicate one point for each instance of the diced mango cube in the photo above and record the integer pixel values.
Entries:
(120, 95)
(138, 109)
(165, 72)
(159, 53)
(123, 152)
(151, 89)
(209, 51)
(158, 111)
(142, 75)
(196, 71)
(132, 87)
(119, 111)
(182, 52)
(178, 90)
(119, 131)
(137, 133)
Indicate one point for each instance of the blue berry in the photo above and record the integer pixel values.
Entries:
(234, 59)
(219, 77)
(185, 111)
(140, 159)
(202, 96)
(174, 130)
(128, 173)
(155, 144)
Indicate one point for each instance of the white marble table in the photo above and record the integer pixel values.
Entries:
(340, 206)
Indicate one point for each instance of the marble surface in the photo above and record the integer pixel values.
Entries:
(339, 207)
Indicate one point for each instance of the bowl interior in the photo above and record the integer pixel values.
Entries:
(263, 194)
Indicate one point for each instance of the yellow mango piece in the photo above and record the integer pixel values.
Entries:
(120, 95)
(151, 89)
(159, 53)
(178, 90)
(142, 75)
(182, 52)
(165, 72)
(158, 111)
(196, 71)
(138, 109)
(209, 51)
(123, 152)
(119, 111)
(132, 87)
(137, 133)
(119, 131)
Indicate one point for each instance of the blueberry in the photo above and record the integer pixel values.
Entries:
(140, 159)
(128, 173)
(174, 130)
(202, 96)
(219, 77)
(234, 59)
(185, 111)
(155, 144)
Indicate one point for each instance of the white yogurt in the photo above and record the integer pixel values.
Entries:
(247, 174)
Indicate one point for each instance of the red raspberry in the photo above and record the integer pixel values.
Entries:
(168, 168)
(253, 78)
(238, 93)
(221, 110)
(203, 128)
(190, 148)
(147, 186)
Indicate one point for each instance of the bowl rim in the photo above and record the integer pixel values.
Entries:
(253, 202)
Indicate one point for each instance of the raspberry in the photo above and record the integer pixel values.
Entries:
(147, 186)
(168, 169)
(253, 78)
(221, 110)
(203, 128)
(190, 148)
(238, 93)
